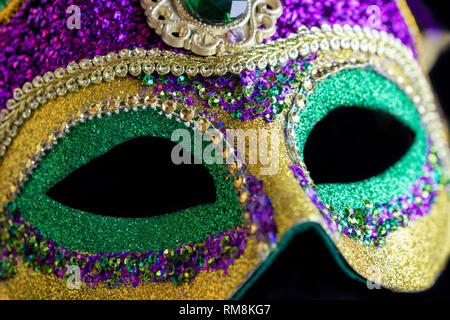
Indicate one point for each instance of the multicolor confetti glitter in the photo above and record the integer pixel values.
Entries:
(177, 265)
(263, 93)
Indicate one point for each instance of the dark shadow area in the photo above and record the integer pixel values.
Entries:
(352, 144)
(439, 78)
(136, 179)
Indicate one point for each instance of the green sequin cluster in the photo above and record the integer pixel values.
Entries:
(264, 93)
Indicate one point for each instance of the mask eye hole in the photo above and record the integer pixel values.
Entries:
(135, 179)
(352, 144)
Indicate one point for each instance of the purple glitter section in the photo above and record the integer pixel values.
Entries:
(117, 269)
(37, 39)
(385, 16)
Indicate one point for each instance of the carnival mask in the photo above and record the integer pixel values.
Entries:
(179, 85)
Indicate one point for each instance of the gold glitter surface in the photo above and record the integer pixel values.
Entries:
(413, 256)
(288, 199)
(207, 285)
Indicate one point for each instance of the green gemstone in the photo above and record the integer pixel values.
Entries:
(356, 220)
(230, 100)
(381, 230)
(368, 203)
(177, 95)
(211, 261)
(11, 206)
(114, 262)
(168, 253)
(44, 248)
(176, 280)
(74, 261)
(216, 12)
(148, 275)
(250, 105)
(189, 273)
(263, 88)
(103, 262)
(249, 91)
(367, 241)
(346, 211)
(186, 250)
(169, 269)
(235, 252)
(225, 252)
(165, 94)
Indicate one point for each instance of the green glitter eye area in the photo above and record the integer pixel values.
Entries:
(92, 233)
(121, 183)
(362, 93)
(352, 144)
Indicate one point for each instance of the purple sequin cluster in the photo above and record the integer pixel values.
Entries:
(262, 93)
(178, 265)
(382, 15)
(38, 40)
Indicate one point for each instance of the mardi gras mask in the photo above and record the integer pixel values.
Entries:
(79, 83)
